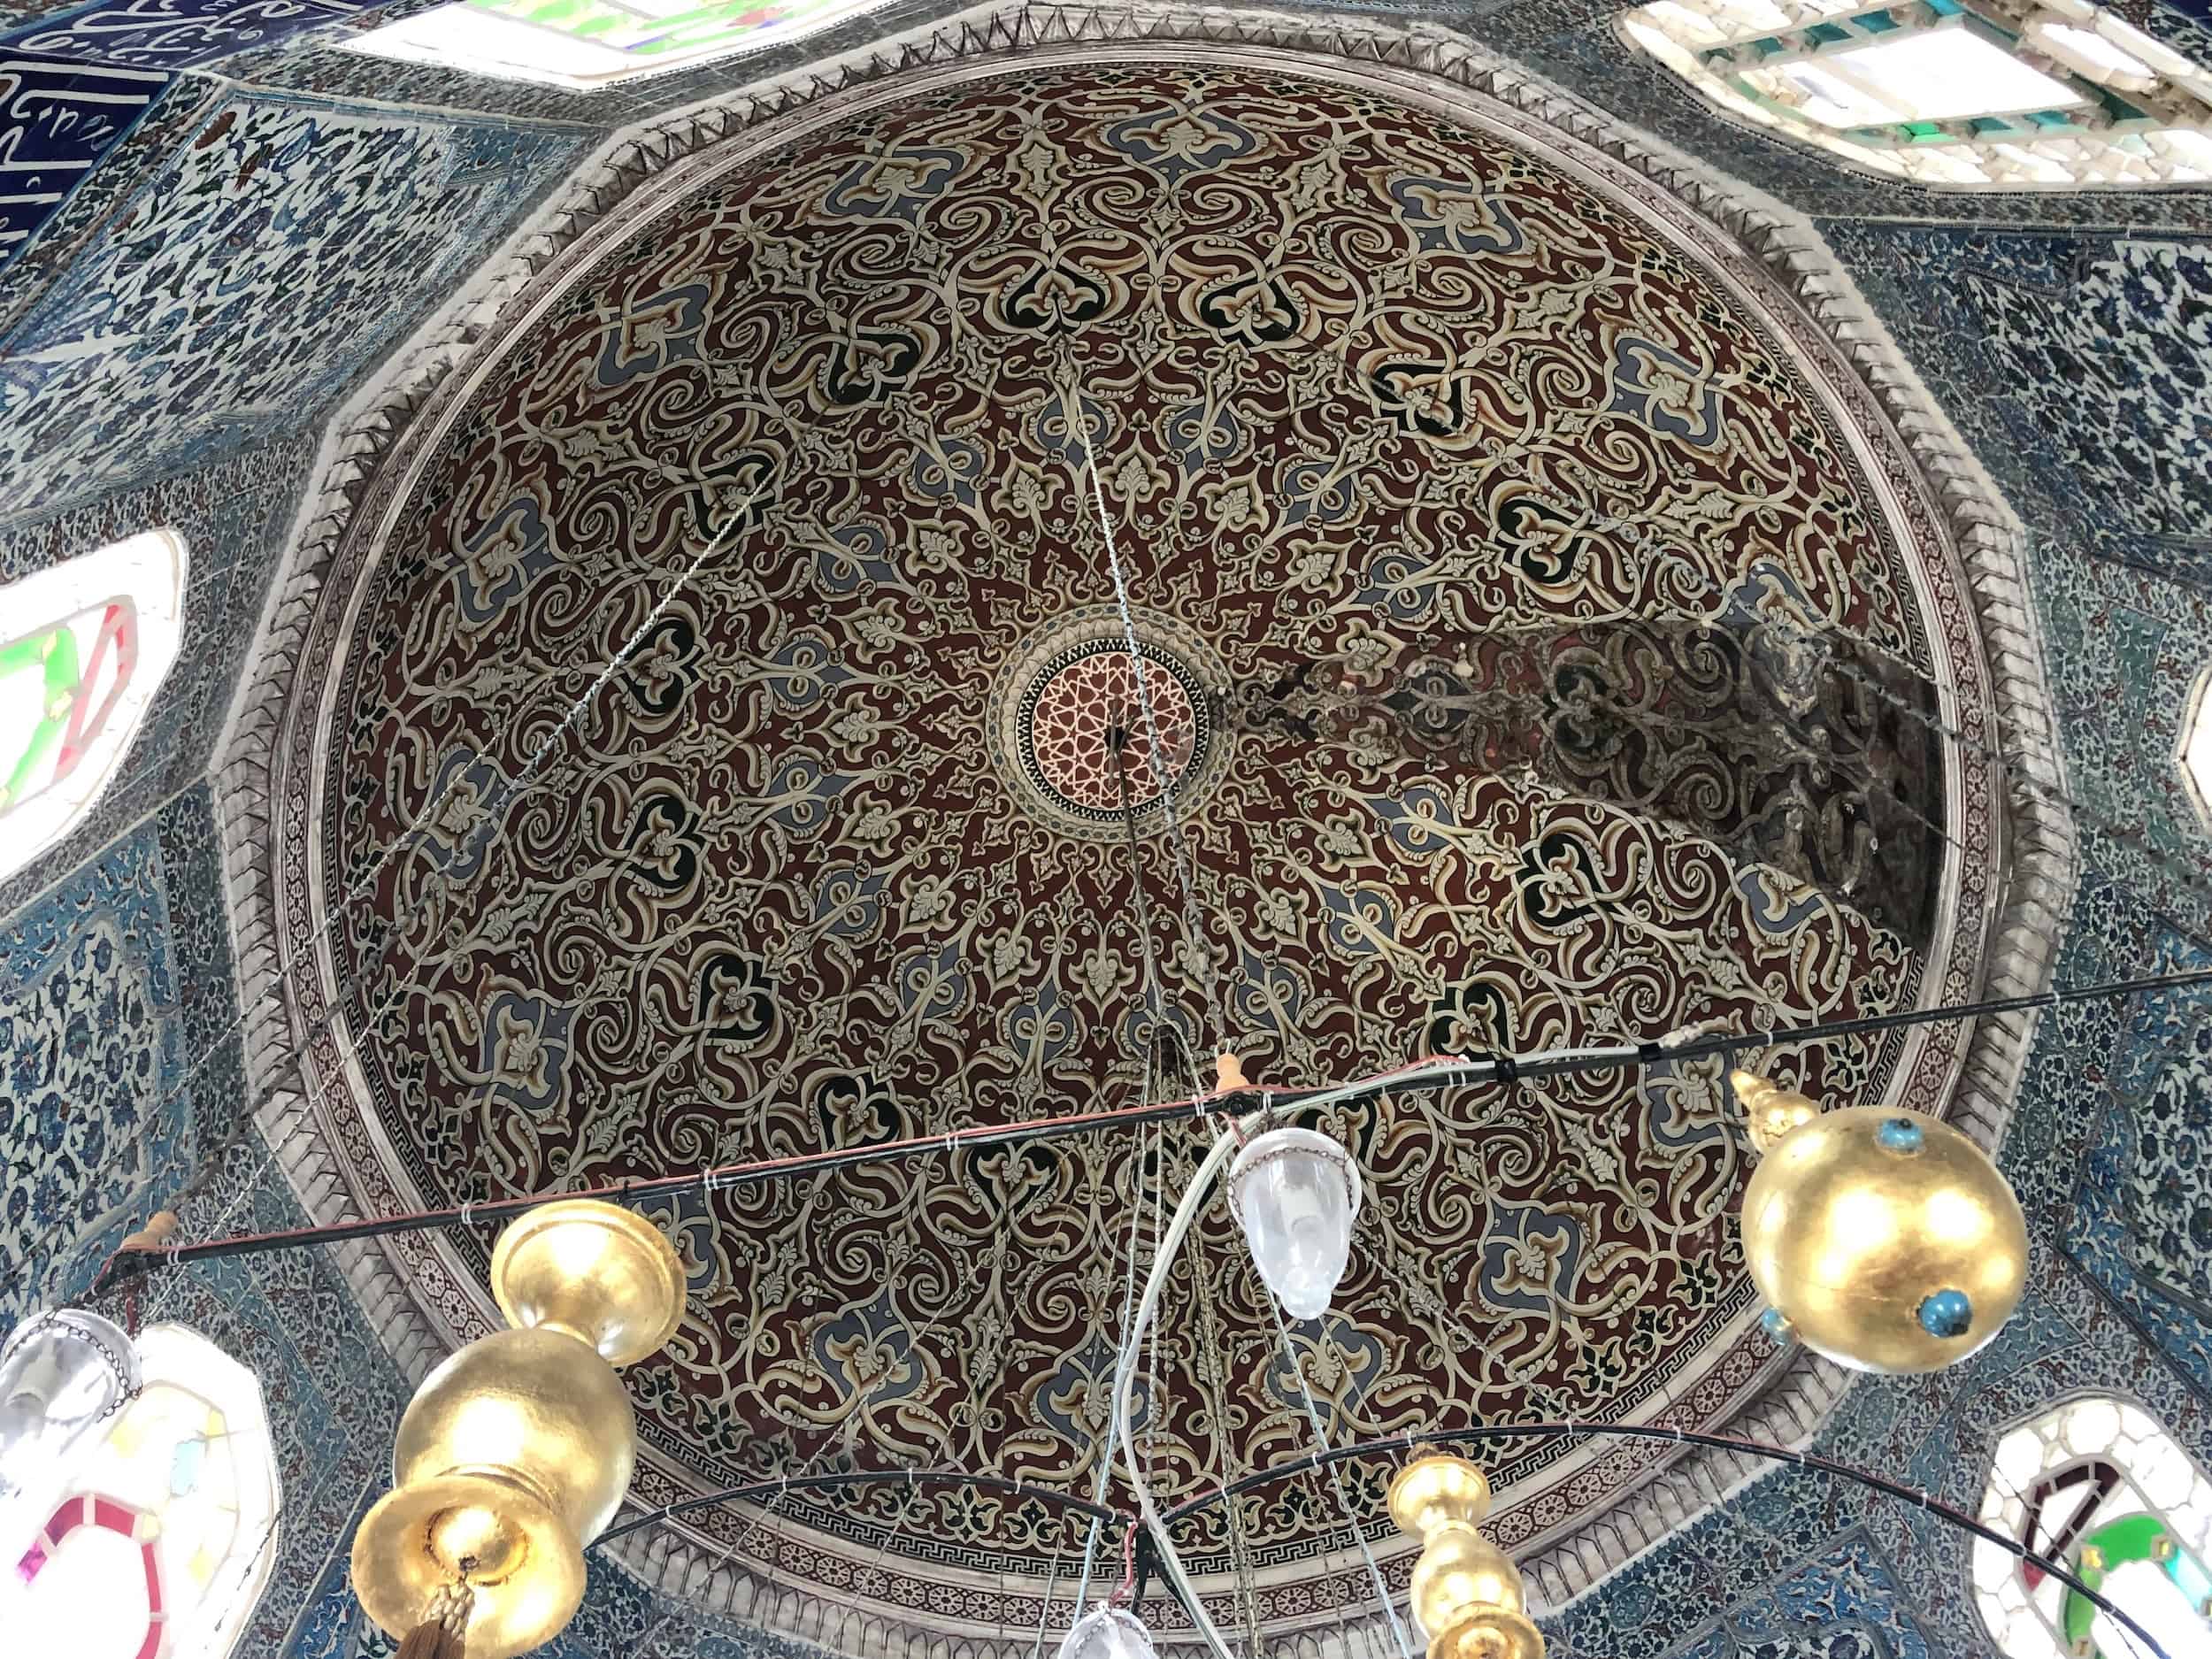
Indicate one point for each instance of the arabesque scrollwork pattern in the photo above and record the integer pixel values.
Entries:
(1361, 386)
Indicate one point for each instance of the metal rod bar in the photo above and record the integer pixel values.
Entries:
(1399, 1443)
(797, 1164)
(776, 1486)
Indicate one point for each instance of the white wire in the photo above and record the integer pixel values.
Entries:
(1336, 1476)
(1133, 1346)
(1178, 1227)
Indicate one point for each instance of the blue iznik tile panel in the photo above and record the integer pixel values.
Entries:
(285, 248)
(173, 33)
(2080, 369)
(1768, 1582)
(124, 1093)
(93, 1106)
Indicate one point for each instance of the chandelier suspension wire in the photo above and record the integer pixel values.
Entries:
(363, 885)
(777, 1488)
(1208, 1369)
(1103, 1444)
(1483, 1433)
(1125, 1374)
(1432, 1071)
(1162, 769)
(1336, 1476)
(1311, 1463)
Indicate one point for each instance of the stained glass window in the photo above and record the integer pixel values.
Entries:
(1994, 94)
(2195, 755)
(590, 44)
(83, 647)
(158, 1542)
(2097, 1484)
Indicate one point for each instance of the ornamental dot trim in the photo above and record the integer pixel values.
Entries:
(1084, 709)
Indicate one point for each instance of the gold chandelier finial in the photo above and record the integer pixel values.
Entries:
(1466, 1593)
(1769, 1110)
(516, 1452)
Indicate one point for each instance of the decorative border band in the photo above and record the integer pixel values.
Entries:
(263, 772)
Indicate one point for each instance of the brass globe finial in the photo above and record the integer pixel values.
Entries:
(598, 1272)
(1466, 1593)
(1885, 1240)
(515, 1451)
(1769, 1110)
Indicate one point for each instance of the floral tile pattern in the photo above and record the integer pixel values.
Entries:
(91, 1038)
(2075, 361)
(334, 230)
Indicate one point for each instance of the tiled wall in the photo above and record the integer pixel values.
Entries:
(2078, 366)
(174, 368)
(284, 247)
(122, 1094)
(240, 259)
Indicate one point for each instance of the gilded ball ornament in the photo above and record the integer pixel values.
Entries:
(1490, 1633)
(1885, 1242)
(515, 1451)
(1461, 1570)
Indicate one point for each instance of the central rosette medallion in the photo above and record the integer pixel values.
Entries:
(1068, 725)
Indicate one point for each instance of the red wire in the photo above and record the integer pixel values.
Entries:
(1128, 1565)
(718, 1174)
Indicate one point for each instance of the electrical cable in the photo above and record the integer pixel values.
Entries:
(1432, 1072)
(1194, 1200)
(1157, 758)
(1897, 1490)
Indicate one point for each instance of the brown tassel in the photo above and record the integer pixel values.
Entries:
(442, 1633)
(430, 1641)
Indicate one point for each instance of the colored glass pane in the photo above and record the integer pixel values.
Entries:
(587, 44)
(85, 647)
(1915, 92)
(2139, 1565)
(2097, 1483)
(157, 1543)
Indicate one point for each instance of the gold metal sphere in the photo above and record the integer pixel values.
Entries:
(512, 1456)
(606, 1275)
(1769, 1110)
(1491, 1633)
(1460, 1571)
(1437, 1489)
(1889, 1241)
(536, 1405)
(524, 1564)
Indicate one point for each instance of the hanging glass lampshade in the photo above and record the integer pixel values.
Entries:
(1296, 1194)
(1884, 1240)
(516, 1452)
(62, 1374)
(1466, 1594)
(1107, 1633)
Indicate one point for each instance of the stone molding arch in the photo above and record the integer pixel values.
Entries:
(661, 158)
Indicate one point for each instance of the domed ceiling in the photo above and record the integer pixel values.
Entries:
(1538, 654)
